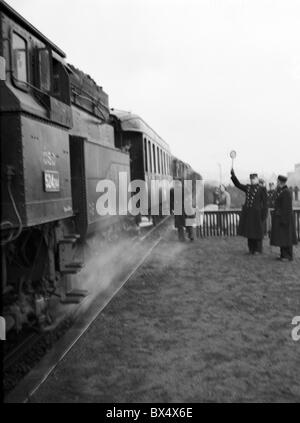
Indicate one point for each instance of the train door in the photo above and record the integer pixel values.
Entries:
(134, 142)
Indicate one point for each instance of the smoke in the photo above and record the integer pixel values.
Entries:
(105, 262)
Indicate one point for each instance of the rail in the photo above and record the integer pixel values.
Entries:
(225, 222)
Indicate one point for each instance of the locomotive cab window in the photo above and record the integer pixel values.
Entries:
(60, 82)
(44, 69)
(19, 61)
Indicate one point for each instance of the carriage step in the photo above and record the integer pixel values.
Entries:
(76, 236)
(68, 240)
(71, 300)
(72, 271)
(77, 293)
(75, 265)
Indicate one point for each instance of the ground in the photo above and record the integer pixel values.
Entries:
(199, 322)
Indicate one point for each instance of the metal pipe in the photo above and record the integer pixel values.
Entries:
(4, 270)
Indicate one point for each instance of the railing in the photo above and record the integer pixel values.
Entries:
(225, 222)
(297, 222)
(220, 222)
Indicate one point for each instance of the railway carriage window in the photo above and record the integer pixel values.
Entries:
(166, 163)
(150, 157)
(44, 70)
(154, 158)
(146, 155)
(158, 161)
(19, 59)
(161, 164)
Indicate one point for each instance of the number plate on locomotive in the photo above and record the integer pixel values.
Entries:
(51, 181)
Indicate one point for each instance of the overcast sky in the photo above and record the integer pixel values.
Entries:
(208, 75)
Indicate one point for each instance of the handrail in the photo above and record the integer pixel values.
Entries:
(225, 222)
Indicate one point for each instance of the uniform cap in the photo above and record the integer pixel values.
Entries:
(282, 178)
(253, 175)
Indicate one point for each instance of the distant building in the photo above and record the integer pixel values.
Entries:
(294, 181)
(294, 177)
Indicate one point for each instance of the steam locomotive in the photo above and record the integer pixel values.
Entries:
(58, 139)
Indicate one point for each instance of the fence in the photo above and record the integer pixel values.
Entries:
(297, 222)
(225, 222)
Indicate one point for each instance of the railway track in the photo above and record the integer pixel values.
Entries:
(26, 388)
(14, 356)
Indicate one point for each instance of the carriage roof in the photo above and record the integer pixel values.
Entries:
(134, 123)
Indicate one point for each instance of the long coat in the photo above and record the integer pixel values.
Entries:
(254, 211)
(283, 232)
(178, 207)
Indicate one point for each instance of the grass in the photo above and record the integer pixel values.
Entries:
(199, 322)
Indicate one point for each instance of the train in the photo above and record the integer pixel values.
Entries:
(59, 138)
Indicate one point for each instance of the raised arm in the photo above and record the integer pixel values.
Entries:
(237, 182)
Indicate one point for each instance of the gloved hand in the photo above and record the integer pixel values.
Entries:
(232, 172)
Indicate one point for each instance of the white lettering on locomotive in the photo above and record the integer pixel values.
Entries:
(51, 181)
(49, 159)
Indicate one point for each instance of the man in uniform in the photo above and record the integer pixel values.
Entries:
(271, 203)
(254, 212)
(262, 184)
(283, 233)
